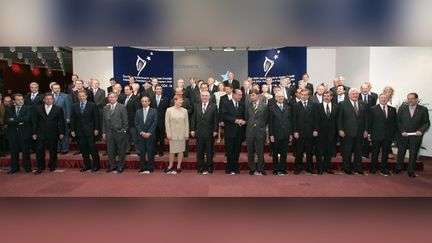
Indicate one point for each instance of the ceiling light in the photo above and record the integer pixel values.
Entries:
(229, 49)
(39, 55)
(12, 49)
(19, 55)
(34, 49)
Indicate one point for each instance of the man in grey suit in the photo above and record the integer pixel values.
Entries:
(99, 99)
(114, 128)
(256, 115)
(145, 125)
(413, 122)
(65, 102)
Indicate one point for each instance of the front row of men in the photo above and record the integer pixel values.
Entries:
(313, 129)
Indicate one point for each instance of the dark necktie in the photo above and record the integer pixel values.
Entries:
(18, 110)
(355, 107)
(328, 111)
(305, 105)
(204, 108)
(385, 111)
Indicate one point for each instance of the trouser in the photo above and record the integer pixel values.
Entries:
(160, 140)
(413, 145)
(233, 147)
(40, 152)
(384, 146)
(17, 144)
(116, 144)
(255, 144)
(279, 147)
(366, 147)
(87, 146)
(303, 145)
(205, 154)
(350, 145)
(63, 144)
(132, 138)
(325, 151)
(146, 150)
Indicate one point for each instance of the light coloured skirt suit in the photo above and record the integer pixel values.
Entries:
(177, 128)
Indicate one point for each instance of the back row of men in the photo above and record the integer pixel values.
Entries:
(277, 114)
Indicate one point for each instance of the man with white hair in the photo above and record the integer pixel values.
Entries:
(33, 97)
(352, 127)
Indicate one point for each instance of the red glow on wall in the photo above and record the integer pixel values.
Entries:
(36, 71)
(16, 68)
(49, 74)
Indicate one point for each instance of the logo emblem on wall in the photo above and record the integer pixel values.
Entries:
(269, 63)
(141, 63)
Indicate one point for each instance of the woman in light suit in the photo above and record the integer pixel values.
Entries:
(177, 131)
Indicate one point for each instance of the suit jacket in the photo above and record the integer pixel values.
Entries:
(48, 126)
(161, 109)
(419, 121)
(235, 83)
(354, 125)
(69, 89)
(205, 124)
(100, 99)
(2, 115)
(189, 92)
(280, 121)
(310, 87)
(326, 126)
(314, 99)
(132, 106)
(334, 89)
(213, 89)
(110, 89)
(149, 125)
(18, 126)
(196, 98)
(38, 100)
(84, 124)
(229, 115)
(117, 121)
(380, 126)
(256, 122)
(304, 121)
(335, 99)
(89, 96)
(371, 100)
(64, 101)
(177, 123)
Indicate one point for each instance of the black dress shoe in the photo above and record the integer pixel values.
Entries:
(227, 172)
(319, 172)
(210, 171)
(397, 171)
(12, 171)
(84, 169)
(296, 172)
(348, 172)
(178, 170)
(76, 153)
(263, 172)
(95, 169)
(275, 172)
(28, 170)
(412, 175)
(329, 172)
(120, 170)
(64, 152)
(141, 171)
(283, 172)
(359, 172)
(313, 172)
(52, 169)
(38, 172)
(167, 170)
(373, 171)
(251, 172)
(111, 169)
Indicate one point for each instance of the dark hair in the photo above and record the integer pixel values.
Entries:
(16, 95)
(133, 77)
(129, 86)
(228, 85)
(413, 93)
(83, 91)
(49, 94)
(111, 79)
(328, 92)
(254, 91)
(341, 86)
(235, 91)
(158, 85)
(76, 75)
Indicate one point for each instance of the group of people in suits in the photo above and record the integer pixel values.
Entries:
(313, 121)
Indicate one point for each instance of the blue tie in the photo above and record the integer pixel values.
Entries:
(18, 111)
(82, 107)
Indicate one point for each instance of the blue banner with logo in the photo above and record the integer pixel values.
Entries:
(277, 63)
(144, 65)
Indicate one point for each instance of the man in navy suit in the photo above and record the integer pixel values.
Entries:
(33, 97)
(85, 125)
(161, 104)
(48, 126)
(413, 122)
(233, 115)
(146, 120)
(18, 120)
(63, 101)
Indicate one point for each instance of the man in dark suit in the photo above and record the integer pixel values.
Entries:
(132, 104)
(233, 116)
(63, 101)
(48, 126)
(370, 101)
(161, 104)
(212, 87)
(269, 82)
(340, 96)
(256, 116)
(18, 130)
(79, 86)
(234, 83)
(382, 130)
(317, 98)
(307, 85)
(326, 114)
(152, 90)
(145, 125)
(196, 98)
(373, 94)
(353, 127)
(110, 88)
(99, 100)
(413, 122)
(204, 126)
(280, 132)
(338, 82)
(304, 132)
(192, 88)
(114, 129)
(33, 98)
(71, 87)
(85, 127)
